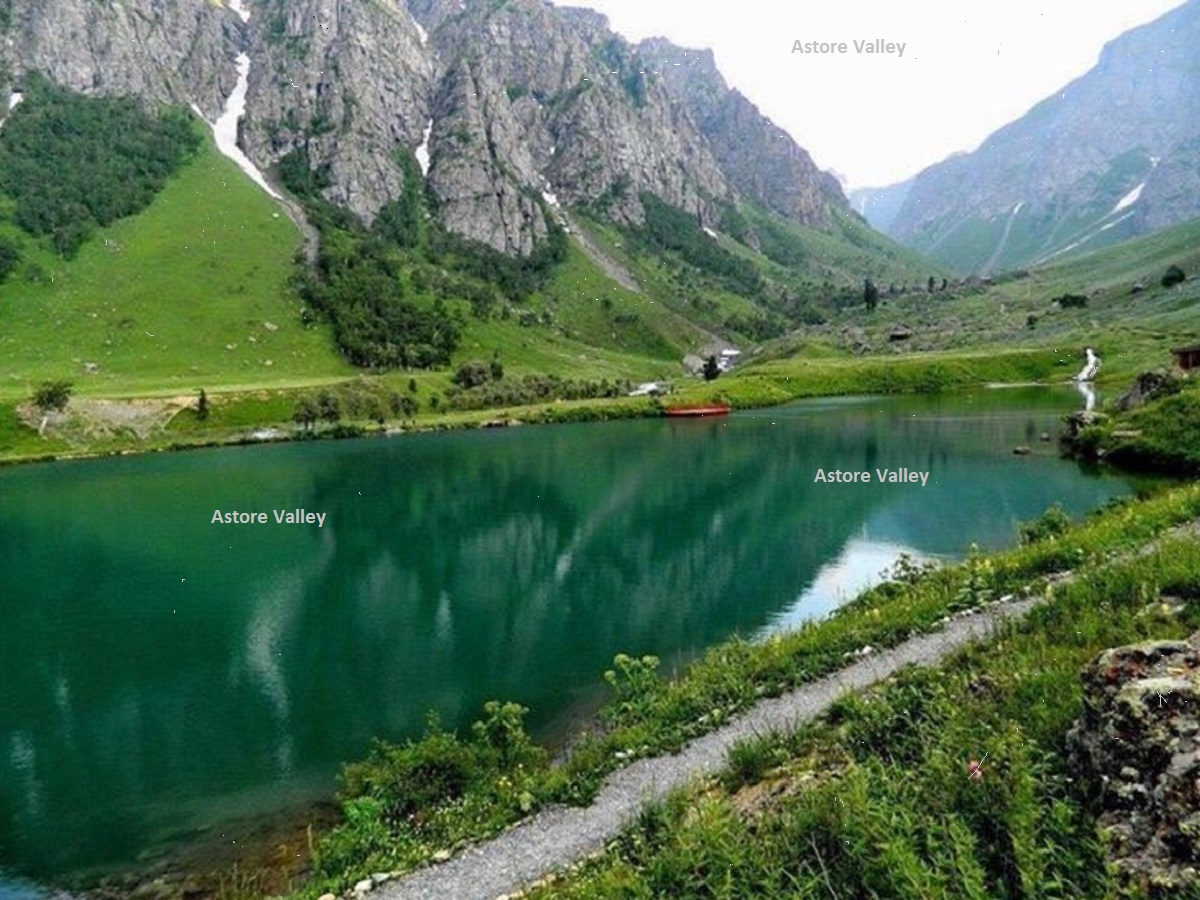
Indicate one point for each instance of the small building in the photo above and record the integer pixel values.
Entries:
(1187, 359)
(728, 359)
(649, 389)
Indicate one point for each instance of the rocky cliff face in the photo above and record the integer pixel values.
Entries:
(760, 159)
(510, 109)
(1112, 154)
(351, 83)
(169, 51)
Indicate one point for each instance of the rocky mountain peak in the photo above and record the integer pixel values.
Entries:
(1112, 154)
(509, 108)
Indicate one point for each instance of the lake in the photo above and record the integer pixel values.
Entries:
(164, 673)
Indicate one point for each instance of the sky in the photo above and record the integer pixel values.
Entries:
(967, 68)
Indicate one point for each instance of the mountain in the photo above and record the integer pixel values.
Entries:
(468, 177)
(1113, 154)
(880, 205)
(509, 108)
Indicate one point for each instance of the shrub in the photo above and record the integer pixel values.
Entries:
(1051, 523)
(52, 395)
(1174, 275)
(1071, 301)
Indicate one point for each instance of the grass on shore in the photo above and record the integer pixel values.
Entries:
(237, 413)
(876, 798)
(472, 788)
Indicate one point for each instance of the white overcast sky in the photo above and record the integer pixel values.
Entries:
(968, 67)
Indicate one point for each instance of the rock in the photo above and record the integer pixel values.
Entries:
(441, 856)
(1148, 386)
(270, 326)
(91, 368)
(760, 159)
(1022, 450)
(1045, 437)
(1135, 749)
(327, 897)
(900, 333)
(364, 887)
(1138, 287)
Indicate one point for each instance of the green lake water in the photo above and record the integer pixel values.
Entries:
(163, 674)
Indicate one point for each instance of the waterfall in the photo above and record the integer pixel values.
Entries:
(1088, 372)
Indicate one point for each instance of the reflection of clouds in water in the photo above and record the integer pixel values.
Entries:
(274, 613)
(22, 757)
(443, 623)
(862, 562)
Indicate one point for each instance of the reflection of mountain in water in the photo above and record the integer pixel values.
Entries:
(161, 670)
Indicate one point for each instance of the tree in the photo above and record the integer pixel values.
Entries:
(930, 284)
(870, 294)
(472, 374)
(306, 412)
(1173, 276)
(202, 406)
(329, 407)
(52, 396)
(10, 256)
(712, 370)
(403, 405)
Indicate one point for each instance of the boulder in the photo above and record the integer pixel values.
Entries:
(1148, 386)
(1137, 750)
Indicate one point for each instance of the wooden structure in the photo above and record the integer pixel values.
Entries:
(1187, 359)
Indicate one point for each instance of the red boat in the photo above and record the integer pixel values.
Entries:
(707, 409)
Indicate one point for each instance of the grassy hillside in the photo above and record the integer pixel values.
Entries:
(1131, 328)
(156, 300)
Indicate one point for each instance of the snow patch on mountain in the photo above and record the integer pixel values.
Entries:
(1129, 199)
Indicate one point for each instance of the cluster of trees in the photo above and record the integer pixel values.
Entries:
(668, 228)
(531, 389)
(73, 163)
(357, 286)
(390, 290)
(331, 406)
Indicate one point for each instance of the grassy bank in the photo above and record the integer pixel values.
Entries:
(878, 799)
(407, 805)
(1163, 435)
(235, 415)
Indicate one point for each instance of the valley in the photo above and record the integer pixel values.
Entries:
(340, 253)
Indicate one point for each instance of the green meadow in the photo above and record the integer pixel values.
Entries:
(192, 292)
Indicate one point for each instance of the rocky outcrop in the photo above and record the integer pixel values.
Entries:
(508, 108)
(350, 83)
(482, 174)
(595, 124)
(1113, 153)
(1148, 386)
(1137, 749)
(760, 159)
(170, 51)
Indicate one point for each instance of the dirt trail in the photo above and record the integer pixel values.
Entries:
(559, 836)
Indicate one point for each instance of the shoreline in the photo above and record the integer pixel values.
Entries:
(759, 386)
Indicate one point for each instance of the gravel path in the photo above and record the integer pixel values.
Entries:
(558, 836)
